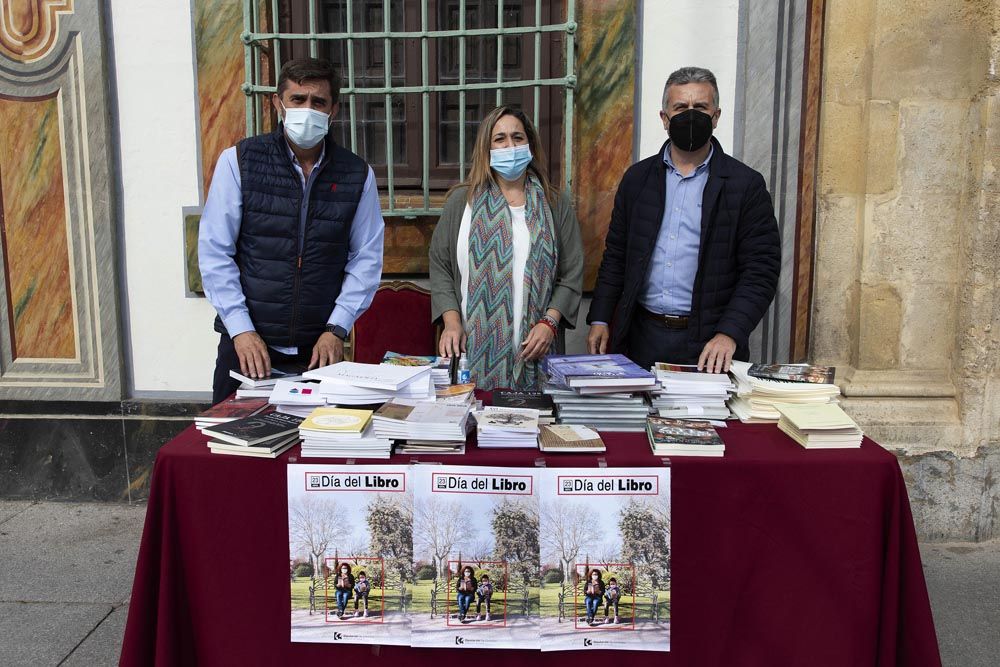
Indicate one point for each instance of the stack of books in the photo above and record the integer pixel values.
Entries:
(261, 388)
(683, 437)
(684, 392)
(570, 439)
(263, 435)
(351, 383)
(603, 391)
(342, 433)
(536, 400)
(229, 410)
(457, 394)
(426, 428)
(507, 427)
(296, 398)
(819, 426)
(757, 396)
(439, 365)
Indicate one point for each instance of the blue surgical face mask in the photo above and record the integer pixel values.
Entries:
(511, 162)
(305, 127)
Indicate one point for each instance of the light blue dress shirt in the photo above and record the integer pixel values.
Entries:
(672, 268)
(220, 227)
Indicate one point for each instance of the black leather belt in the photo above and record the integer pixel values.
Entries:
(669, 321)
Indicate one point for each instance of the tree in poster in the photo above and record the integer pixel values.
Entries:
(645, 534)
(515, 538)
(564, 536)
(438, 527)
(315, 523)
(390, 530)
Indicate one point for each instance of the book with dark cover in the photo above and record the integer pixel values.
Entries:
(670, 433)
(256, 428)
(232, 409)
(794, 373)
(512, 398)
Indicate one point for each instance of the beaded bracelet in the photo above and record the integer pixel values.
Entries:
(550, 323)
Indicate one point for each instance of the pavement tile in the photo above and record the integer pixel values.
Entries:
(33, 633)
(104, 645)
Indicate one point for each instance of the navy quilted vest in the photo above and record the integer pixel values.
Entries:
(290, 294)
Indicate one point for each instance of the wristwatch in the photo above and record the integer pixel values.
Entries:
(338, 331)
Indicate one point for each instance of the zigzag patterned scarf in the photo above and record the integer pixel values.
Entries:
(490, 301)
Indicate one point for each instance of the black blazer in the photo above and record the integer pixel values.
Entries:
(738, 261)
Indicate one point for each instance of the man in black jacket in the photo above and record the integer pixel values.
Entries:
(692, 254)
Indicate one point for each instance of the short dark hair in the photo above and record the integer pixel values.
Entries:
(690, 75)
(303, 69)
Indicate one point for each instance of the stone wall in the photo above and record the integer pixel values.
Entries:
(907, 244)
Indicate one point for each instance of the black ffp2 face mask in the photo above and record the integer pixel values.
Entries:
(690, 130)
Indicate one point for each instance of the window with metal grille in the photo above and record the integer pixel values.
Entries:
(438, 66)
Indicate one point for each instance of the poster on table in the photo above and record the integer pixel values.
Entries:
(475, 550)
(605, 558)
(350, 545)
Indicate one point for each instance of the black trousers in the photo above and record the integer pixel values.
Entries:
(227, 360)
(650, 341)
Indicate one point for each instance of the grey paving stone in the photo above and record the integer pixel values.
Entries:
(33, 633)
(104, 645)
(963, 581)
(11, 508)
(70, 552)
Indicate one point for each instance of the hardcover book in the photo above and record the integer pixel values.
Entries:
(683, 437)
(231, 409)
(794, 373)
(596, 370)
(569, 438)
(511, 398)
(254, 429)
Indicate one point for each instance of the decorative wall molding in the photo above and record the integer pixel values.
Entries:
(29, 29)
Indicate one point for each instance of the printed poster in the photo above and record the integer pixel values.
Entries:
(350, 545)
(475, 550)
(605, 558)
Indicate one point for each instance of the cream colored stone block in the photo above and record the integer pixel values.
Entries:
(908, 425)
(927, 49)
(928, 328)
(835, 279)
(883, 123)
(880, 327)
(847, 52)
(911, 239)
(841, 149)
(934, 146)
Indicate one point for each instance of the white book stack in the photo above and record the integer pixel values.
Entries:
(400, 419)
(621, 411)
(296, 398)
(342, 433)
(351, 383)
(684, 392)
(756, 398)
(507, 427)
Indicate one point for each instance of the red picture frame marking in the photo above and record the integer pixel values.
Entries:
(448, 599)
(326, 589)
(576, 596)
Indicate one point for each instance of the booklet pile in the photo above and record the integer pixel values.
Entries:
(602, 391)
(683, 437)
(685, 392)
(342, 433)
(426, 428)
(440, 366)
(759, 390)
(507, 427)
(823, 426)
(261, 435)
(352, 383)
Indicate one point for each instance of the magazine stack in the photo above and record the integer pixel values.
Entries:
(684, 392)
(439, 365)
(351, 383)
(683, 437)
(265, 434)
(759, 388)
(508, 427)
(342, 433)
(606, 392)
(425, 428)
(824, 426)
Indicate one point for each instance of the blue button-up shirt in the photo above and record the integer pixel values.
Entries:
(674, 263)
(220, 227)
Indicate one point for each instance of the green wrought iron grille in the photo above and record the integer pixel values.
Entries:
(263, 46)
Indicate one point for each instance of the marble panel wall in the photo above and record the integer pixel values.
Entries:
(59, 329)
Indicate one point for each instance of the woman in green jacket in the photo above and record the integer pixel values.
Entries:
(506, 262)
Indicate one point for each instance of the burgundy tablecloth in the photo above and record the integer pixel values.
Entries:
(780, 557)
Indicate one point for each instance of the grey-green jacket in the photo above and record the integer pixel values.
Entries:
(446, 280)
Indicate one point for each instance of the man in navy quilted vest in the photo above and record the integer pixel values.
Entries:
(290, 244)
(692, 254)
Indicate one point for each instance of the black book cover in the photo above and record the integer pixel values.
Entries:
(793, 373)
(512, 398)
(256, 428)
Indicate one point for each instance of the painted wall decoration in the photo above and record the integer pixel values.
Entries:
(59, 328)
(33, 230)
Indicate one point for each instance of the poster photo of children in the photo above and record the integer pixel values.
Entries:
(476, 576)
(605, 558)
(350, 545)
